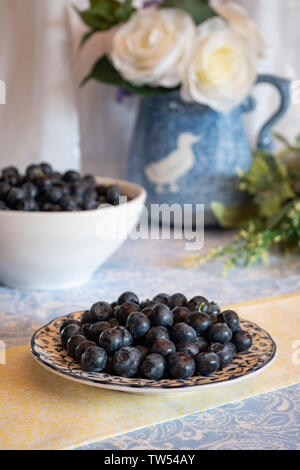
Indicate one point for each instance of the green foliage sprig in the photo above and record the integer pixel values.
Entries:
(270, 218)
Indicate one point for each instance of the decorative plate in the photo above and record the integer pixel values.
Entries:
(49, 352)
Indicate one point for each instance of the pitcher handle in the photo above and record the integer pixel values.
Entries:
(265, 141)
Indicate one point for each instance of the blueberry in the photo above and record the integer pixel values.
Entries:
(232, 348)
(85, 317)
(4, 189)
(156, 333)
(200, 322)
(124, 310)
(147, 304)
(198, 303)
(68, 204)
(138, 324)
(127, 336)
(180, 365)
(127, 361)
(161, 315)
(213, 308)
(224, 353)
(181, 314)
(113, 322)
(69, 331)
(202, 344)
(111, 340)
(154, 367)
(188, 347)
(219, 333)
(46, 168)
(43, 183)
(94, 359)
(71, 176)
(164, 347)
(30, 190)
(85, 327)
(128, 297)
(242, 340)
(183, 332)
(113, 193)
(207, 363)
(89, 181)
(89, 204)
(13, 196)
(101, 190)
(33, 172)
(69, 321)
(161, 299)
(73, 342)
(177, 300)
(231, 319)
(82, 347)
(100, 311)
(143, 350)
(53, 195)
(10, 175)
(96, 329)
(27, 205)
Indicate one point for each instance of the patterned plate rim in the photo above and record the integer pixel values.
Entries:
(166, 385)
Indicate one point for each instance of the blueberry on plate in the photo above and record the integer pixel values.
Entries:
(100, 311)
(123, 311)
(213, 308)
(224, 353)
(181, 366)
(94, 359)
(127, 336)
(177, 300)
(161, 315)
(161, 299)
(181, 314)
(69, 321)
(138, 324)
(188, 347)
(220, 333)
(85, 317)
(30, 189)
(71, 176)
(96, 329)
(200, 322)
(199, 304)
(156, 333)
(242, 340)
(183, 332)
(153, 367)
(82, 347)
(68, 204)
(232, 348)
(128, 297)
(231, 319)
(13, 196)
(73, 342)
(207, 363)
(127, 361)
(164, 347)
(69, 331)
(202, 344)
(111, 340)
(143, 350)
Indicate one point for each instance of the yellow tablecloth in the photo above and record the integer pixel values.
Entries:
(40, 410)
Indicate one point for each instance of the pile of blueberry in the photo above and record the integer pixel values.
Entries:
(43, 189)
(167, 337)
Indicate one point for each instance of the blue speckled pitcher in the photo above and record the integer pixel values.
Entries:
(187, 153)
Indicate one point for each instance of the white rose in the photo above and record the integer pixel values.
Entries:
(240, 22)
(153, 47)
(222, 68)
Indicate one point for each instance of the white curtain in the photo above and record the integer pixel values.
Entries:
(39, 120)
(39, 41)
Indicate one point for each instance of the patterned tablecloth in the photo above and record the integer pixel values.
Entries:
(269, 421)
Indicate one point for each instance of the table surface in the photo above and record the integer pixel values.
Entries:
(269, 421)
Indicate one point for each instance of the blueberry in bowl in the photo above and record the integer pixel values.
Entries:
(64, 243)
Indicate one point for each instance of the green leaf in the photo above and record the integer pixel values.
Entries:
(198, 9)
(104, 14)
(125, 10)
(104, 72)
(233, 216)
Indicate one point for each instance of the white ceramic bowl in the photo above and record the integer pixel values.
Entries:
(59, 250)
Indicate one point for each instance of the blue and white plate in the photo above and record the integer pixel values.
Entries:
(49, 352)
